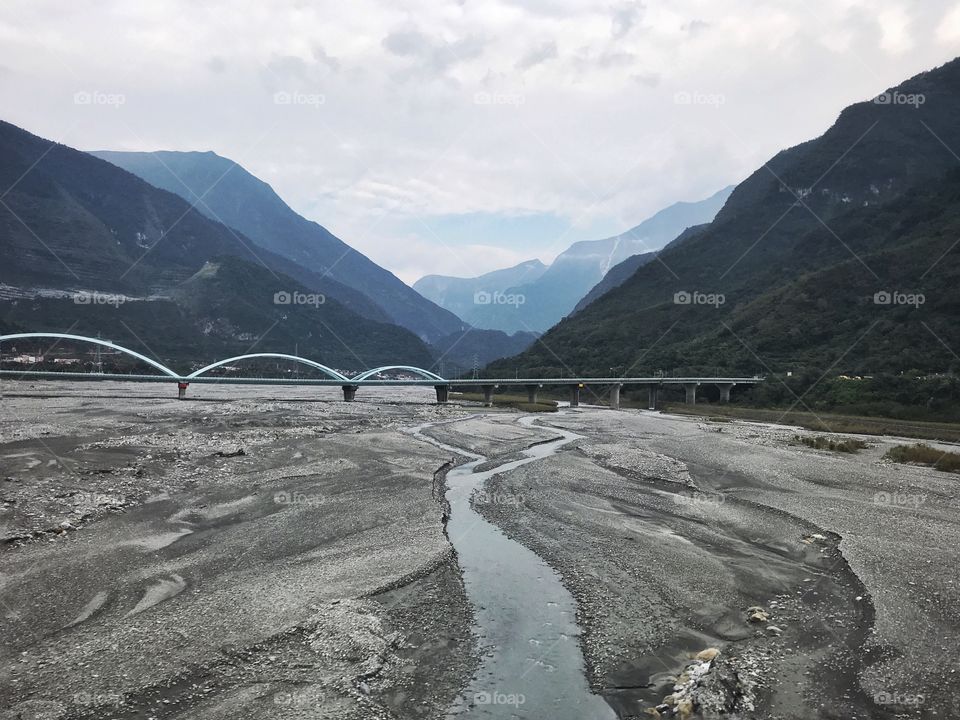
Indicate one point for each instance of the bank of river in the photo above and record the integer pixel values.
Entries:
(532, 665)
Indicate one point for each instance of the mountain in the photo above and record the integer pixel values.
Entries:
(224, 191)
(618, 274)
(537, 304)
(459, 353)
(70, 221)
(835, 256)
(460, 295)
(615, 277)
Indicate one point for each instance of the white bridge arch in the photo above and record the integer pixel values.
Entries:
(426, 374)
(330, 372)
(96, 341)
(173, 375)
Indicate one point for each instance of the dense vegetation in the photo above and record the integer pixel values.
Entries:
(799, 263)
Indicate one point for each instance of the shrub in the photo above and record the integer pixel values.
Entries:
(844, 445)
(923, 454)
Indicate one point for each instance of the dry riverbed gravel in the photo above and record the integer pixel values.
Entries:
(277, 553)
(250, 552)
(827, 581)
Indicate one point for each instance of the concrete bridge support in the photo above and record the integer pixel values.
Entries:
(615, 397)
(532, 393)
(653, 397)
(182, 390)
(349, 393)
(691, 389)
(443, 393)
(574, 396)
(725, 391)
(487, 395)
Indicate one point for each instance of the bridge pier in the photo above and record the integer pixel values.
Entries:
(653, 397)
(615, 396)
(691, 389)
(443, 393)
(532, 393)
(725, 391)
(349, 393)
(487, 395)
(182, 390)
(575, 395)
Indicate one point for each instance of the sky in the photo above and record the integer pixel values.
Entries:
(461, 137)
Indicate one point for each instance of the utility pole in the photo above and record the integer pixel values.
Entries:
(476, 367)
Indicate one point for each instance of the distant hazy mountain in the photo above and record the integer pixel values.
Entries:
(615, 277)
(171, 281)
(837, 255)
(457, 353)
(619, 274)
(461, 295)
(538, 304)
(224, 191)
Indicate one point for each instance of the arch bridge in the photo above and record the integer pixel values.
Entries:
(351, 384)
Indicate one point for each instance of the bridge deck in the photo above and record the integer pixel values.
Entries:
(468, 382)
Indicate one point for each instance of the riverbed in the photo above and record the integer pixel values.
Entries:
(497, 565)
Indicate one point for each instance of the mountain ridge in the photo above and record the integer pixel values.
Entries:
(224, 190)
(809, 212)
(72, 221)
(536, 305)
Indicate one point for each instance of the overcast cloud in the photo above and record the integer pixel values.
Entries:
(457, 137)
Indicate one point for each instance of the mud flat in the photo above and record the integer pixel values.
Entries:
(827, 582)
(150, 569)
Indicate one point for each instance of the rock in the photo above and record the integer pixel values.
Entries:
(773, 629)
(758, 617)
(685, 709)
(708, 654)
